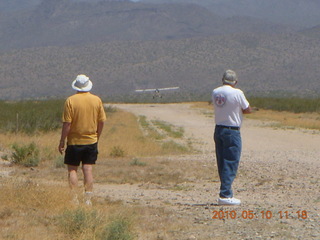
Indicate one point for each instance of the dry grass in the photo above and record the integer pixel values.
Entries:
(28, 208)
(156, 170)
(283, 119)
(33, 211)
(35, 201)
(279, 119)
(202, 105)
(44, 211)
(48, 143)
(24, 195)
(122, 130)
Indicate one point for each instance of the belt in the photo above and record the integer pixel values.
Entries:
(227, 127)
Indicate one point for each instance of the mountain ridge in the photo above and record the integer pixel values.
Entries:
(296, 13)
(64, 23)
(265, 64)
(124, 45)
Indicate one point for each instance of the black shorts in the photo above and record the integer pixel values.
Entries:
(87, 154)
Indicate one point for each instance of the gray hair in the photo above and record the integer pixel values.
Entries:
(230, 77)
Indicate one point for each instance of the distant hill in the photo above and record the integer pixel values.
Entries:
(299, 13)
(67, 23)
(7, 6)
(295, 13)
(266, 64)
(312, 32)
(125, 45)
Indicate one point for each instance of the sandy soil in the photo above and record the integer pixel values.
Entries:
(278, 182)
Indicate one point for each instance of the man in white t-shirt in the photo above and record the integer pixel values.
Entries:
(229, 105)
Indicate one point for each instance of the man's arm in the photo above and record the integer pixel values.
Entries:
(247, 110)
(64, 133)
(99, 129)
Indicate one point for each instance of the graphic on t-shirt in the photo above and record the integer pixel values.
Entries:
(220, 100)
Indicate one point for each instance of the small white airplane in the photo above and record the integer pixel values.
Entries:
(156, 91)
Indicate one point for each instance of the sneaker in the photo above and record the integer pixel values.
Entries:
(87, 198)
(228, 201)
(88, 203)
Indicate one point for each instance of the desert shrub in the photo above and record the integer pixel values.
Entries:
(118, 229)
(26, 155)
(137, 162)
(84, 223)
(80, 221)
(4, 157)
(117, 151)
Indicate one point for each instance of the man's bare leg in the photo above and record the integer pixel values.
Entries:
(73, 182)
(88, 182)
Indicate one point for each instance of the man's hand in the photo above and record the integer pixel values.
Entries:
(61, 147)
(64, 133)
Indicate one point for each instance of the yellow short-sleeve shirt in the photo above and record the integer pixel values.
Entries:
(84, 111)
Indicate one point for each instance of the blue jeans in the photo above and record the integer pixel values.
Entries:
(228, 150)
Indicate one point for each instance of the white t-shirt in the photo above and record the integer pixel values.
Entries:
(228, 105)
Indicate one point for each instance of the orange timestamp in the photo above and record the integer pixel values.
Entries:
(265, 214)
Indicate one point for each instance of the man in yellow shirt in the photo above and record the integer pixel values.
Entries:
(83, 120)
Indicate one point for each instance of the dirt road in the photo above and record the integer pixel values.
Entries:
(278, 182)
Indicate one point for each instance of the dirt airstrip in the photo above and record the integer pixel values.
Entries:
(278, 182)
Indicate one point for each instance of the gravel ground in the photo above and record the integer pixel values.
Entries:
(278, 182)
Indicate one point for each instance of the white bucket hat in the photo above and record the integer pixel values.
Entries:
(82, 83)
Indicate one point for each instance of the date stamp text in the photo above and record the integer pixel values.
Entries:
(265, 214)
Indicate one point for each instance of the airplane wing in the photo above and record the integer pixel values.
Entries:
(168, 88)
(155, 89)
(146, 90)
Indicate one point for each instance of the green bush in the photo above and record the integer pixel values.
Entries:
(83, 223)
(118, 229)
(136, 162)
(117, 151)
(26, 155)
(77, 222)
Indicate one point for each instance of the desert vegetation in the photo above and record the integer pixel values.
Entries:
(35, 189)
(44, 211)
(288, 112)
(295, 105)
(284, 112)
(30, 117)
(36, 203)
